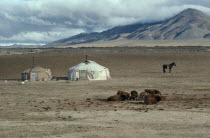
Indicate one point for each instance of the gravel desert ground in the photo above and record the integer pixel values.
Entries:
(79, 108)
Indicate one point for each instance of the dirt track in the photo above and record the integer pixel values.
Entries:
(80, 109)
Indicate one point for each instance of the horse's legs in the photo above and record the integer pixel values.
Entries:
(164, 70)
(170, 70)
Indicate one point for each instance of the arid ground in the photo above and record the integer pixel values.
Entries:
(79, 109)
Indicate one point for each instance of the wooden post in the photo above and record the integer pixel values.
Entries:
(86, 57)
(33, 62)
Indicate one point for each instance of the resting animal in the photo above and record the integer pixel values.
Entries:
(134, 95)
(153, 91)
(119, 97)
(123, 93)
(143, 95)
(152, 99)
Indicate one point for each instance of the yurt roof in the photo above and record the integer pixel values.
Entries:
(35, 69)
(88, 65)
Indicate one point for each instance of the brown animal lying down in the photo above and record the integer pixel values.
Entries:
(123, 93)
(120, 97)
(142, 95)
(148, 92)
(152, 91)
(134, 95)
(152, 99)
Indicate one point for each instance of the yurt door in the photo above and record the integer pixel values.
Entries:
(33, 76)
(83, 74)
(24, 76)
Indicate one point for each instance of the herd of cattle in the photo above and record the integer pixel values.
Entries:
(149, 96)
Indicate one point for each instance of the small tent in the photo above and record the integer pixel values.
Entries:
(37, 73)
(88, 70)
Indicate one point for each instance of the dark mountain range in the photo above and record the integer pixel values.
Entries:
(189, 24)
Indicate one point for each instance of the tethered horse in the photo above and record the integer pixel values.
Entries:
(168, 66)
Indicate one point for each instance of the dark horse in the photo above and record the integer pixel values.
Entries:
(168, 66)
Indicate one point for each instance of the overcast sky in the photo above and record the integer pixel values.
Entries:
(43, 21)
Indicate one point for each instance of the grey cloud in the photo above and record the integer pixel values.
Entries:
(48, 20)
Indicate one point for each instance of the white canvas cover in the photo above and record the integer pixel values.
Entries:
(89, 70)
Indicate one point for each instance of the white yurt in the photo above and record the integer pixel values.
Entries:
(88, 70)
